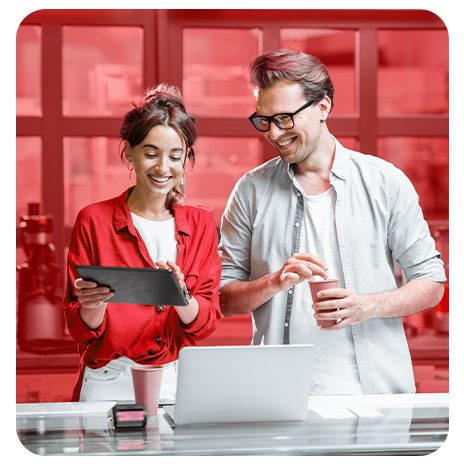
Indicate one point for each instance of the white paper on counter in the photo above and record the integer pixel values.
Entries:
(332, 412)
(366, 411)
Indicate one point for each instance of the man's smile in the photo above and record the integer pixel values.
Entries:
(284, 143)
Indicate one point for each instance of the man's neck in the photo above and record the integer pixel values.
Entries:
(314, 172)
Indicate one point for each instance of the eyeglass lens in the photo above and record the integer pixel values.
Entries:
(283, 121)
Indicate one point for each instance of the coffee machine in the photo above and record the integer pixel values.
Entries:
(41, 326)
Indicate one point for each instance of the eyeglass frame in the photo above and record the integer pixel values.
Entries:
(271, 118)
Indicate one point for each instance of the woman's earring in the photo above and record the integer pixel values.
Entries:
(130, 168)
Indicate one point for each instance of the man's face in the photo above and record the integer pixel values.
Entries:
(299, 143)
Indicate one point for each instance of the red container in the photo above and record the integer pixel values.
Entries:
(317, 286)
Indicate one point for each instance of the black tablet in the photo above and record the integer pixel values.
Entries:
(144, 286)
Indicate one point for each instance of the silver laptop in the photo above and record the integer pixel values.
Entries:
(224, 384)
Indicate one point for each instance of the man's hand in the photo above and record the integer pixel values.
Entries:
(353, 308)
(298, 268)
(411, 298)
(243, 297)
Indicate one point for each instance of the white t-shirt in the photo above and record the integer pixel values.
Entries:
(335, 369)
(159, 237)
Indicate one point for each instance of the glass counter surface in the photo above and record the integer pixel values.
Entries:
(346, 425)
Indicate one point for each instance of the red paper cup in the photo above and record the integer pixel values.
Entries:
(315, 287)
(147, 386)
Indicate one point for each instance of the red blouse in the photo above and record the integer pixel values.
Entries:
(104, 235)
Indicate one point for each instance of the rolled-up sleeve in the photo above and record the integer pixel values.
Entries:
(79, 253)
(236, 236)
(408, 233)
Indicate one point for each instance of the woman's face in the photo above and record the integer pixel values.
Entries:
(159, 160)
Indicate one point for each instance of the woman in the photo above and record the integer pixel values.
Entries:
(147, 226)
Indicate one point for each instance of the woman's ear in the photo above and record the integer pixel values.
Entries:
(127, 151)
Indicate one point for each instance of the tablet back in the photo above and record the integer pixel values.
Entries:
(243, 383)
(146, 286)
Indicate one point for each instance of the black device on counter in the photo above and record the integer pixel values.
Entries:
(128, 416)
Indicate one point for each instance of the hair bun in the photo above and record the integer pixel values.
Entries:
(164, 95)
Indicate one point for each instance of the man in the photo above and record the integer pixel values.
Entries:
(317, 211)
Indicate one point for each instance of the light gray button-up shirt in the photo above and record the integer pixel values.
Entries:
(377, 219)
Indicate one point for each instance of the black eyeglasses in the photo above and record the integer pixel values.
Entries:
(282, 120)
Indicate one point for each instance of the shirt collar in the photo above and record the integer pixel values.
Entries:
(340, 160)
(182, 224)
(122, 215)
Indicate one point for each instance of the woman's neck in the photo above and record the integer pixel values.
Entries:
(152, 208)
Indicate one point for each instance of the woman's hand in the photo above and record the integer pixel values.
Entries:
(92, 299)
(90, 295)
(187, 314)
(175, 269)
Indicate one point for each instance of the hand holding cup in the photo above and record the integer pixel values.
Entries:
(315, 287)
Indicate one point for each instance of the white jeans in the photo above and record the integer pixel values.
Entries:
(113, 382)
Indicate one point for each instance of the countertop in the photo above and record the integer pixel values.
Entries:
(345, 425)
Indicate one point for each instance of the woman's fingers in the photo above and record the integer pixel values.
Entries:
(90, 295)
(161, 265)
(174, 268)
(94, 300)
(80, 283)
(94, 292)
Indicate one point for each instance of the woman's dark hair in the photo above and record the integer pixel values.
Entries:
(292, 65)
(162, 105)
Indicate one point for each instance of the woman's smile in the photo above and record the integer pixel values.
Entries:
(160, 179)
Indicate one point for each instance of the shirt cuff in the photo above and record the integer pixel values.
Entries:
(80, 332)
(204, 320)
